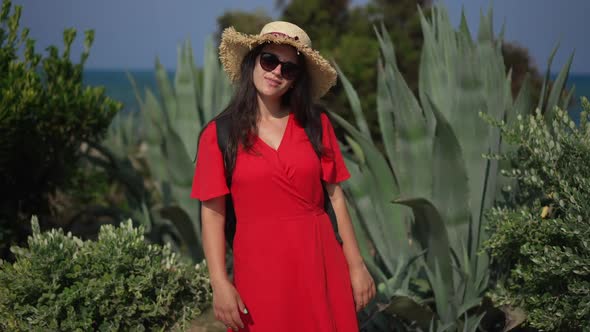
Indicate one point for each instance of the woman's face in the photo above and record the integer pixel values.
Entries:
(272, 83)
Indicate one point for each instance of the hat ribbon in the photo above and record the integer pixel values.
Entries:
(280, 34)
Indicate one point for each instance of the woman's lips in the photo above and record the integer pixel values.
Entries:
(271, 82)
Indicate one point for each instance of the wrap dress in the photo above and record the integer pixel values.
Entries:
(289, 269)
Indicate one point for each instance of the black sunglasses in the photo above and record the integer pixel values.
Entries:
(269, 62)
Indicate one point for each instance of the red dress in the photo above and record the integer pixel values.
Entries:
(289, 269)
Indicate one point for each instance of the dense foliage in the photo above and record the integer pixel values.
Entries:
(433, 164)
(541, 249)
(117, 283)
(45, 114)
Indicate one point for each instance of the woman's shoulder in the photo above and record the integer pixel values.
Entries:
(325, 118)
(209, 132)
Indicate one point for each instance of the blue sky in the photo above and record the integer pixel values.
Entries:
(131, 33)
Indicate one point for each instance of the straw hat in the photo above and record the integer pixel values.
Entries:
(235, 45)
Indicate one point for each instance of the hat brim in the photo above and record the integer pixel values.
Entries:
(235, 45)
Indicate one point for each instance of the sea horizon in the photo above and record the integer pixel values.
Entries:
(118, 86)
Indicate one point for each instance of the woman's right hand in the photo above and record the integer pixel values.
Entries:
(227, 304)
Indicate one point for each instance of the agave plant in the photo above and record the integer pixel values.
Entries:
(171, 131)
(433, 164)
(168, 133)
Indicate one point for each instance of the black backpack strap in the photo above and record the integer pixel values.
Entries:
(327, 202)
(223, 125)
(330, 212)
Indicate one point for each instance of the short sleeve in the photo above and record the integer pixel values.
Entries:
(333, 168)
(209, 177)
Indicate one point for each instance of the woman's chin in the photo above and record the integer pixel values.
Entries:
(271, 93)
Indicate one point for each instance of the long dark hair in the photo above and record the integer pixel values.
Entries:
(243, 108)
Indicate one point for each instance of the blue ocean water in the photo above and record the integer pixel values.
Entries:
(119, 87)
(581, 83)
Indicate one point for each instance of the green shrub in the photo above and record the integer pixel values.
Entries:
(542, 249)
(46, 112)
(117, 283)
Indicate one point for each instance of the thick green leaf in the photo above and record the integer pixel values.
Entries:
(430, 230)
(380, 221)
(356, 150)
(216, 87)
(351, 188)
(546, 79)
(486, 26)
(178, 161)
(166, 92)
(462, 80)
(443, 291)
(181, 197)
(557, 89)
(387, 230)
(410, 310)
(568, 97)
(154, 123)
(187, 116)
(464, 28)
(355, 105)
(210, 80)
(183, 223)
(153, 133)
(502, 32)
(468, 304)
(523, 104)
(411, 163)
(471, 323)
(385, 43)
(450, 190)
(426, 72)
(385, 115)
(136, 92)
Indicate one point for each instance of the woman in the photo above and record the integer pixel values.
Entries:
(290, 272)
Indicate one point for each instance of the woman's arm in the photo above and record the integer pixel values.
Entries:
(213, 238)
(363, 285)
(226, 300)
(345, 229)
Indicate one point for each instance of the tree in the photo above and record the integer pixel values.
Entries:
(245, 22)
(46, 113)
(518, 60)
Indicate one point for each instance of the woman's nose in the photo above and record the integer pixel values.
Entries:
(277, 70)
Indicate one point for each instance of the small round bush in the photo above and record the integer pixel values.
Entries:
(117, 283)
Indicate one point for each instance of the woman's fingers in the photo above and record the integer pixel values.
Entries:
(228, 305)
(226, 319)
(371, 290)
(226, 316)
(235, 318)
(360, 301)
(362, 298)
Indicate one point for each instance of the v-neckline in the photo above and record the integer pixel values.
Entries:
(282, 141)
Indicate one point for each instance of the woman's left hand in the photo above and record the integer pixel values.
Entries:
(363, 286)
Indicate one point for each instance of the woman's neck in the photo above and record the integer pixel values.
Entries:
(268, 107)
